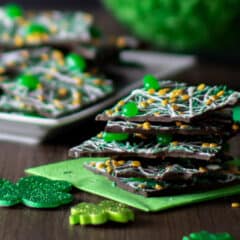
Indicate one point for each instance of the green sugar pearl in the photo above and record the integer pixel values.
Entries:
(130, 109)
(36, 28)
(164, 139)
(75, 62)
(110, 137)
(13, 10)
(29, 81)
(150, 82)
(236, 114)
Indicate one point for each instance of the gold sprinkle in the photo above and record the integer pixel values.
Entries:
(201, 87)
(57, 55)
(146, 126)
(121, 162)
(135, 164)
(209, 101)
(109, 112)
(100, 135)
(62, 92)
(79, 81)
(100, 165)
(150, 100)
(143, 104)
(205, 145)
(173, 100)
(174, 143)
(151, 91)
(176, 93)
(109, 169)
(235, 205)
(220, 94)
(158, 187)
(175, 107)
(115, 163)
(202, 170)
(18, 41)
(185, 97)
(235, 127)
(108, 162)
(58, 104)
(163, 91)
(121, 103)
(213, 145)
(142, 185)
(164, 102)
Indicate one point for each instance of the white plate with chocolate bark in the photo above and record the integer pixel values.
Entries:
(33, 130)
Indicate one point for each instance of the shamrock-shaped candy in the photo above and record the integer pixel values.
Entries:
(35, 191)
(204, 235)
(95, 214)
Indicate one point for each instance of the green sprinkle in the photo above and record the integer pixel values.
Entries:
(236, 114)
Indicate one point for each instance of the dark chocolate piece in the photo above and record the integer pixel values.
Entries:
(172, 103)
(146, 148)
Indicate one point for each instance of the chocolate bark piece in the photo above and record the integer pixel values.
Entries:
(58, 91)
(171, 103)
(151, 188)
(19, 59)
(147, 148)
(164, 171)
(55, 28)
(222, 127)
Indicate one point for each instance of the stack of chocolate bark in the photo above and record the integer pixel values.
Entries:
(166, 138)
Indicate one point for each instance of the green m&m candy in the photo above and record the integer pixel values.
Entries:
(110, 137)
(150, 82)
(204, 235)
(236, 114)
(75, 62)
(13, 10)
(36, 28)
(29, 81)
(164, 139)
(130, 109)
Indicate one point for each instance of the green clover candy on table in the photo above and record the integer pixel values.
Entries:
(204, 235)
(96, 214)
(35, 192)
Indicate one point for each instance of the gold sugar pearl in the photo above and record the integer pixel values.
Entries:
(176, 93)
(141, 185)
(220, 94)
(175, 107)
(185, 97)
(143, 104)
(209, 101)
(201, 87)
(121, 162)
(213, 145)
(79, 81)
(151, 91)
(109, 169)
(100, 165)
(115, 163)
(57, 55)
(174, 143)
(150, 100)
(40, 98)
(164, 102)
(62, 92)
(18, 41)
(108, 162)
(157, 114)
(109, 112)
(235, 127)
(235, 205)
(205, 145)
(146, 126)
(202, 170)
(77, 96)
(163, 91)
(121, 103)
(58, 104)
(173, 100)
(158, 187)
(100, 135)
(76, 102)
(135, 164)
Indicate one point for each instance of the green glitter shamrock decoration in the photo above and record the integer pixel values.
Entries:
(95, 214)
(35, 192)
(204, 235)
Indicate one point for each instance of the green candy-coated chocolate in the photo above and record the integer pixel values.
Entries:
(164, 139)
(29, 81)
(130, 109)
(236, 114)
(150, 82)
(36, 28)
(13, 10)
(110, 137)
(75, 62)
(95, 214)
(204, 235)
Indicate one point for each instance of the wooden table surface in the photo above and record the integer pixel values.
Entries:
(27, 224)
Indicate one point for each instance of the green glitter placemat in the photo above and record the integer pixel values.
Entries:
(74, 172)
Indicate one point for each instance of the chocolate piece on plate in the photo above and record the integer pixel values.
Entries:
(55, 28)
(151, 187)
(54, 92)
(164, 101)
(159, 147)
